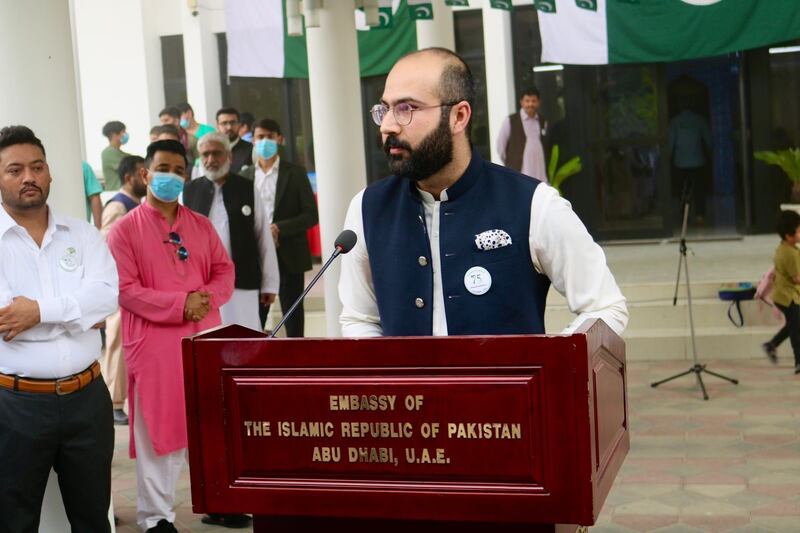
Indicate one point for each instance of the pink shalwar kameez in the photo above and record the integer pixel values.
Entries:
(153, 286)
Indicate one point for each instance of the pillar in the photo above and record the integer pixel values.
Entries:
(337, 116)
(439, 31)
(39, 90)
(499, 54)
(201, 58)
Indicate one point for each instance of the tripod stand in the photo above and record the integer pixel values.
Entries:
(697, 369)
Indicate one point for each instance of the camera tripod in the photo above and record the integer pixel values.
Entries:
(697, 369)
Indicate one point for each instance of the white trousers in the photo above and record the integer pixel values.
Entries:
(242, 309)
(156, 477)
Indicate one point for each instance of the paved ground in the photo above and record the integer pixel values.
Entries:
(729, 464)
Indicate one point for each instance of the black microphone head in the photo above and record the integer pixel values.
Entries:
(345, 241)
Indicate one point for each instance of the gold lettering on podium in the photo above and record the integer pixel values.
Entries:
(258, 428)
(488, 430)
(355, 402)
(345, 433)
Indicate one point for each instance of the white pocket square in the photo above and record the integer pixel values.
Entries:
(492, 239)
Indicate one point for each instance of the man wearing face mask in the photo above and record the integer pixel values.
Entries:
(290, 204)
(174, 276)
(451, 244)
(241, 222)
(112, 154)
(190, 124)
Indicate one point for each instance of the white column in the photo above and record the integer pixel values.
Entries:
(337, 115)
(201, 57)
(439, 31)
(499, 69)
(38, 89)
(120, 72)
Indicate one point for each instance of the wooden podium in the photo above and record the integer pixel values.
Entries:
(508, 433)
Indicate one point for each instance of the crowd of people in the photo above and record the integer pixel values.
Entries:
(208, 228)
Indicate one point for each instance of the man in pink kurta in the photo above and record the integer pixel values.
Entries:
(174, 275)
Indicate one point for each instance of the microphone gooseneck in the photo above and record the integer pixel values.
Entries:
(343, 244)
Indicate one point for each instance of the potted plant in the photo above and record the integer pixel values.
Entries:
(789, 161)
(558, 175)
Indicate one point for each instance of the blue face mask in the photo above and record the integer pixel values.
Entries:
(125, 138)
(266, 148)
(166, 186)
(184, 123)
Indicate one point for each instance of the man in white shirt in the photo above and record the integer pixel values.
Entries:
(291, 207)
(57, 281)
(519, 143)
(451, 244)
(242, 223)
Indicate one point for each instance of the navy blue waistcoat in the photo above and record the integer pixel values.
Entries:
(486, 197)
(125, 200)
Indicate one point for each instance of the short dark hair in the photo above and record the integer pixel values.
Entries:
(167, 145)
(530, 90)
(457, 83)
(112, 128)
(269, 125)
(247, 119)
(128, 165)
(228, 111)
(171, 111)
(158, 129)
(183, 107)
(11, 135)
(788, 222)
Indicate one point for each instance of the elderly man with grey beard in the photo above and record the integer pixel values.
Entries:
(237, 214)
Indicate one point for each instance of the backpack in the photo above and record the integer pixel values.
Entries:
(735, 293)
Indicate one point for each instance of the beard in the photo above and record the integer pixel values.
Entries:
(27, 202)
(432, 154)
(221, 172)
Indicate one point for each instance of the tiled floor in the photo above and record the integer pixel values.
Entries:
(728, 464)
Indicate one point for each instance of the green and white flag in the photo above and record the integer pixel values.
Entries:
(260, 47)
(596, 32)
(421, 9)
(456, 2)
(501, 4)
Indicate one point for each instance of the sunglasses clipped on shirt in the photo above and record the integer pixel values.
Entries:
(174, 238)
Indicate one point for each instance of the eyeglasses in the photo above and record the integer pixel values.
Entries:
(403, 112)
(174, 238)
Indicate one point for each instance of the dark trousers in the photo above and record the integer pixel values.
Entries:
(74, 435)
(791, 330)
(694, 186)
(290, 289)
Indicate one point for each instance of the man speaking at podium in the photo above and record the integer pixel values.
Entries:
(451, 244)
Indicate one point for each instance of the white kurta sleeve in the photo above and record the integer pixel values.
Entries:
(270, 277)
(563, 250)
(359, 317)
(502, 140)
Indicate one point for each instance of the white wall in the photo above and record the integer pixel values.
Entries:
(119, 60)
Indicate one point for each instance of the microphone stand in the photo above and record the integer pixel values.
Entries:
(696, 368)
(322, 270)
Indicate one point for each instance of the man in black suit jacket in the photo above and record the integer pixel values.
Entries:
(241, 151)
(287, 194)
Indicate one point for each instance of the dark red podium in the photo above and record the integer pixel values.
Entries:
(512, 433)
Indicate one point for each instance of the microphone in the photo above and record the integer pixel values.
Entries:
(343, 244)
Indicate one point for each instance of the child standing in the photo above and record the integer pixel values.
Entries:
(786, 290)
